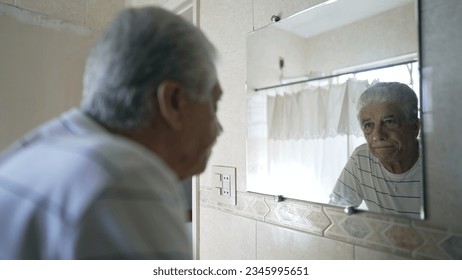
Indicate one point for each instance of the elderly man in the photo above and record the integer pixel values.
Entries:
(103, 181)
(385, 173)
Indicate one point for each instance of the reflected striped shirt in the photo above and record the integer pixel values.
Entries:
(364, 180)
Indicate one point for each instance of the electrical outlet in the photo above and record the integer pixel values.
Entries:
(224, 180)
(226, 185)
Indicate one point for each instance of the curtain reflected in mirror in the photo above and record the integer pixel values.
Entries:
(303, 92)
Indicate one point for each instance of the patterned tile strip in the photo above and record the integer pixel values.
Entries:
(394, 235)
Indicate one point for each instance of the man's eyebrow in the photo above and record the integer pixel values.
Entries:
(365, 120)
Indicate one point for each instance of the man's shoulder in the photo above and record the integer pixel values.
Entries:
(104, 150)
(361, 150)
(75, 144)
(75, 138)
(89, 139)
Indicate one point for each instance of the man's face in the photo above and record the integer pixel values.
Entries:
(389, 136)
(201, 131)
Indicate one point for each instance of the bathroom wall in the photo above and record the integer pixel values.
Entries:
(257, 227)
(260, 228)
(350, 45)
(40, 71)
(42, 53)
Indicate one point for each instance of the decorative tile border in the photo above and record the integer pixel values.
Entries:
(384, 234)
(304, 217)
(439, 243)
(391, 234)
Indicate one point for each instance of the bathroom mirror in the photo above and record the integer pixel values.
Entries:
(304, 77)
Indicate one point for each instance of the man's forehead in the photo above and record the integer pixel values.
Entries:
(380, 110)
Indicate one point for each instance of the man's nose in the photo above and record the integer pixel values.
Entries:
(219, 128)
(379, 133)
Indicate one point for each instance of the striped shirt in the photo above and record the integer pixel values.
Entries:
(71, 190)
(364, 179)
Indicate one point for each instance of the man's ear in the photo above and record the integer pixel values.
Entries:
(171, 100)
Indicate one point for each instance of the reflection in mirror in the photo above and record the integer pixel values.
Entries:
(385, 174)
(305, 76)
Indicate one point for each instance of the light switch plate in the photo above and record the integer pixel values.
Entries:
(224, 180)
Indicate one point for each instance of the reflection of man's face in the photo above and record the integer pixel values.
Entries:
(389, 136)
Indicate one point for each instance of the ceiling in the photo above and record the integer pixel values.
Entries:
(335, 13)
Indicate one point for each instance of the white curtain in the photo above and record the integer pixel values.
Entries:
(310, 135)
(315, 111)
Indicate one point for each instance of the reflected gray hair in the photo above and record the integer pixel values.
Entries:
(391, 92)
(141, 48)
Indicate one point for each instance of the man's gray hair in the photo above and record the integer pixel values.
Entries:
(141, 48)
(391, 92)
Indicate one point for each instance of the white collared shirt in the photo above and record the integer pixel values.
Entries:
(71, 190)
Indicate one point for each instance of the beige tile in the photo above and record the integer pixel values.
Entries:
(248, 205)
(259, 207)
(380, 232)
(72, 11)
(431, 248)
(452, 245)
(226, 236)
(403, 237)
(274, 242)
(297, 215)
(281, 213)
(10, 2)
(376, 237)
(362, 253)
(101, 12)
(337, 216)
(251, 206)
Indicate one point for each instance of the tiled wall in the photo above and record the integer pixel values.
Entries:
(260, 228)
(394, 236)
